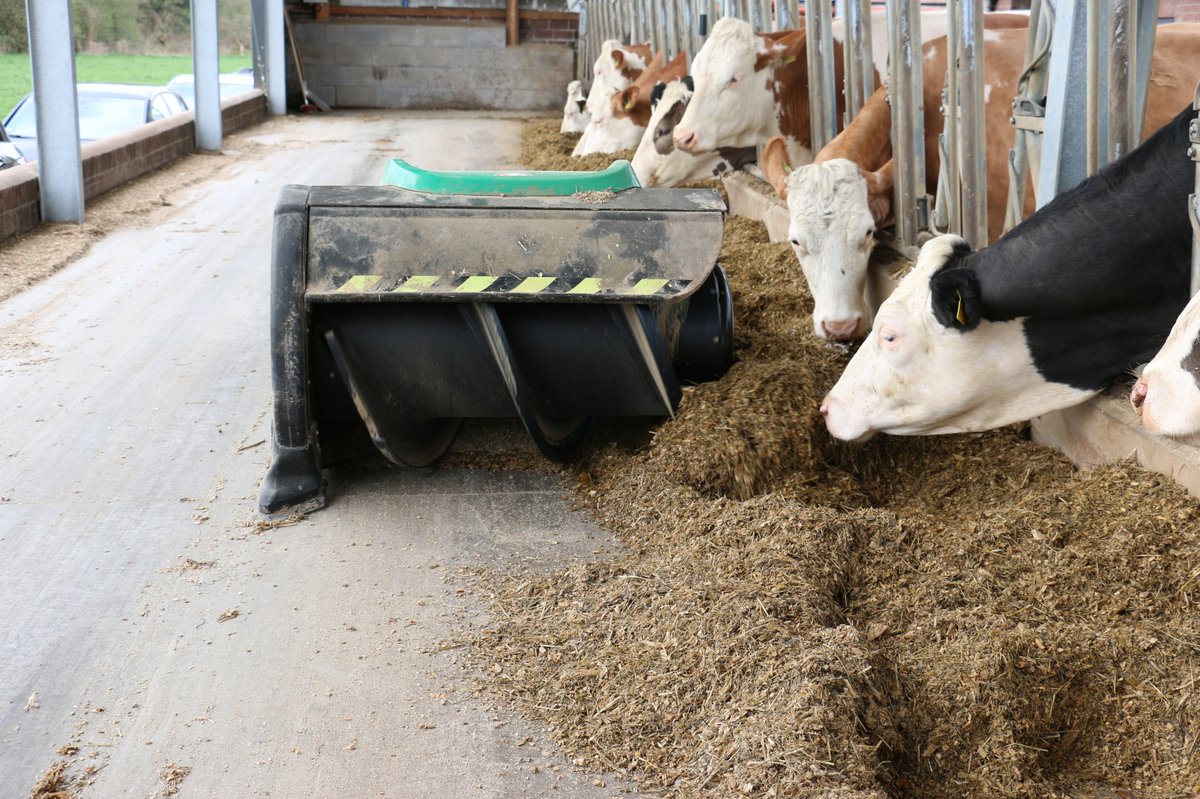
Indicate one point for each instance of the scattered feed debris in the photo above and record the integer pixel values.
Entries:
(927, 618)
(172, 777)
(593, 197)
(229, 614)
(54, 783)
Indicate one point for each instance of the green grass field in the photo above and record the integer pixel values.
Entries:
(15, 80)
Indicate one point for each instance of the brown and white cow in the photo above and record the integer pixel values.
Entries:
(834, 205)
(658, 163)
(620, 123)
(615, 69)
(1167, 394)
(751, 87)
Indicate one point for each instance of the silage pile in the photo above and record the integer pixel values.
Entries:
(959, 616)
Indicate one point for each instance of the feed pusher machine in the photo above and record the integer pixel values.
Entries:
(398, 310)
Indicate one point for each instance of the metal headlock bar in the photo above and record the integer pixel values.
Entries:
(905, 87)
(1194, 199)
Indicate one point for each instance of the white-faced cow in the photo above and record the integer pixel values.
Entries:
(616, 68)
(1069, 300)
(834, 205)
(620, 123)
(575, 118)
(658, 163)
(1167, 394)
(750, 87)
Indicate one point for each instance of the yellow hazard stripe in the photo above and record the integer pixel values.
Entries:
(360, 283)
(589, 285)
(476, 283)
(532, 285)
(418, 283)
(648, 286)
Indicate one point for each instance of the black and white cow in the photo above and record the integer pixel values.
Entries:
(1167, 393)
(1075, 296)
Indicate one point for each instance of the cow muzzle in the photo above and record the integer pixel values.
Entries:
(842, 330)
(685, 140)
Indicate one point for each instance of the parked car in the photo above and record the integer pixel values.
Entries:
(105, 109)
(231, 84)
(9, 154)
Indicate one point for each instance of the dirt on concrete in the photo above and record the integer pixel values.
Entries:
(927, 618)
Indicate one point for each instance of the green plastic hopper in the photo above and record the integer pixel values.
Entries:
(618, 177)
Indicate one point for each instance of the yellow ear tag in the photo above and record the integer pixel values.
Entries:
(960, 316)
(628, 104)
(787, 168)
(789, 59)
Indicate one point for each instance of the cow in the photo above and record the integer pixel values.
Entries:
(825, 229)
(620, 123)
(1166, 395)
(575, 118)
(658, 163)
(834, 205)
(750, 87)
(617, 66)
(1056, 310)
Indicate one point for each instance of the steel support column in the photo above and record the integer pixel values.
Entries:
(276, 58)
(206, 67)
(858, 65)
(972, 144)
(52, 59)
(906, 89)
(822, 79)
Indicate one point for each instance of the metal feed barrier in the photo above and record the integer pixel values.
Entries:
(1061, 131)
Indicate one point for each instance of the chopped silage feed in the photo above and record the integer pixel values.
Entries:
(950, 617)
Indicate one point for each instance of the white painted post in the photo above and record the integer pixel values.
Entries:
(206, 67)
(52, 58)
(276, 59)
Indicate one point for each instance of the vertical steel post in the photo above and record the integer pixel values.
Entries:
(52, 60)
(1194, 199)
(674, 45)
(973, 142)
(822, 79)
(276, 59)
(206, 68)
(908, 127)
(949, 196)
(1122, 50)
(1029, 113)
(1093, 86)
(858, 64)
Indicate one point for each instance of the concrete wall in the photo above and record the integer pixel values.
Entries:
(111, 162)
(385, 63)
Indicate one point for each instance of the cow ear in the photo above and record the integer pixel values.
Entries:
(879, 193)
(629, 97)
(956, 298)
(618, 58)
(776, 164)
(691, 84)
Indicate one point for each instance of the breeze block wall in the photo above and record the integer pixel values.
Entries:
(436, 64)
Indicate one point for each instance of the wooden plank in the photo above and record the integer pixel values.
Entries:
(450, 13)
(513, 18)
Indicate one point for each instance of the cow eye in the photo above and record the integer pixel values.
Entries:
(796, 243)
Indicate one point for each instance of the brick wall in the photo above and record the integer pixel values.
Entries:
(111, 162)
(1180, 10)
(549, 31)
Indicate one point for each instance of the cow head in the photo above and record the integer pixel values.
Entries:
(657, 162)
(615, 69)
(575, 119)
(609, 132)
(832, 231)
(734, 101)
(916, 375)
(1167, 394)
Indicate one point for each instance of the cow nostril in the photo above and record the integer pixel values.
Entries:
(825, 410)
(1138, 396)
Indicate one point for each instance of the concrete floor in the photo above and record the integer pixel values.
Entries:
(148, 621)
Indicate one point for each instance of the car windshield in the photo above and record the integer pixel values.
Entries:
(99, 116)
